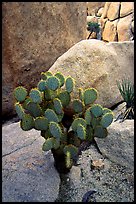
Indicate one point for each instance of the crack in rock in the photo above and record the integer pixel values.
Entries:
(19, 148)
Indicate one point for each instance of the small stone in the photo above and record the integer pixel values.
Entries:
(97, 164)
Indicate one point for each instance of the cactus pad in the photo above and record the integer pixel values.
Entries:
(35, 95)
(68, 160)
(45, 75)
(72, 149)
(34, 109)
(20, 93)
(41, 123)
(96, 110)
(56, 143)
(81, 132)
(53, 83)
(88, 116)
(64, 96)
(69, 83)
(106, 110)
(81, 94)
(51, 115)
(42, 85)
(61, 78)
(49, 94)
(48, 144)
(100, 132)
(55, 130)
(78, 121)
(78, 106)
(27, 122)
(89, 133)
(90, 95)
(19, 109)
(58, 106)
(106, 119)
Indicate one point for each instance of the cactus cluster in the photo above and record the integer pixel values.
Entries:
(43, 108)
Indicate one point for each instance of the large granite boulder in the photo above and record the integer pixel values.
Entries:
(94, 63)
(116, 21)
(28, 173)
(34, 35)
(118, 146)
(93, 7)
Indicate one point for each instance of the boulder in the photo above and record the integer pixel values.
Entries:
(118, 146)
(126, 8)
(100, 12)
(28, 173)
(34, 35)
(110, 31)
(93, 7)
(113, 11)
(118, 17)
(124, 28)
(94, 63)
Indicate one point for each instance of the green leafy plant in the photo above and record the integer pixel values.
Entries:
(93, 27)
(126, 89)
(45, 108)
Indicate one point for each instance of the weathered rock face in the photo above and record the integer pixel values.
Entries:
(94, 63)
(28, 173)
(93, 7)
(118, 146)
(117, 21)
(35, 34)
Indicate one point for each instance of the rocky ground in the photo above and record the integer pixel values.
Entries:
(28, 173)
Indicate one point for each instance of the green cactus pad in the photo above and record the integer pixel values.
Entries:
(58, 106)
(20, 93)
(56, 143)
(48, 144)
(19, 109)
(64, 96)
(95, 122)
(81, 94)
(42, 85)
(81, 132)
(27, 122)
(100, 132)
(60, 117)
(68, 160)
(89, 133)
(49, 94)
(106, 119)
(78, 106)
(41, 123)
(46, 133)
(106, 110)
(96, 110)
(25, 103)
(88, 116)
(35, 95)
(34, 109)
(53, 83)
(78, 121)
(51, 115)
(72, 149)
(45, 75)
(69, 83)
(61, 78)
(55, 130)
(90, 95)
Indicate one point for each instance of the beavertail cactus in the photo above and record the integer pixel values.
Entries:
(44, 108)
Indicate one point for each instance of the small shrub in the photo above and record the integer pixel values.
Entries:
(126, 89)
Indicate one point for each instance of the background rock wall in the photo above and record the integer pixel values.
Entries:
(117, 21)
(34, 35)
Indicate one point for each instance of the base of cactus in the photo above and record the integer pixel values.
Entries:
(59, 162)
